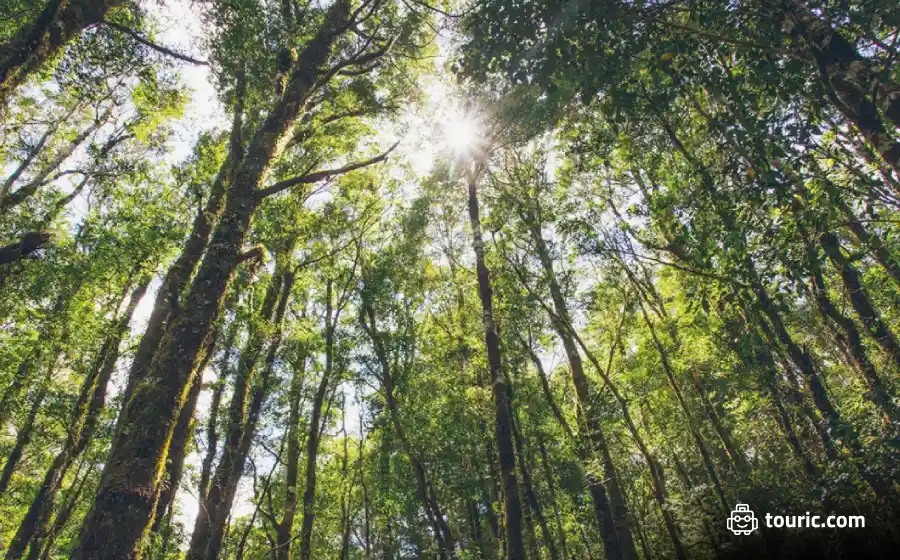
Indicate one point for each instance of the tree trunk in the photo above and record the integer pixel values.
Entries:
(23, 193)
(178, 449)
(869, 240)
(737, 458)
(813, 414)
(800, 357)
(859, 297)
(545, 388)
(424, 487)
(805, 364)
(591, 429)
(31, 364)
(848, 337)
(548, 475)
(28, 244)
(85, 419)
(62, 518)
(243, 419)
(657, 476)
(167, 299)
(503, 417)
(851, 80)
(531, 496)
(784, 420)
(315, 430)
(284, 527)
(231, 464)
(212, 428)
(23, 436)
(34, 45)
(692, 427)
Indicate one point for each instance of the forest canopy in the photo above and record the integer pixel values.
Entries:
(472, 280)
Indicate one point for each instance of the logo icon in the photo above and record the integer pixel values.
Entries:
(742, 520)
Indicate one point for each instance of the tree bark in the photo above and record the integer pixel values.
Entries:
(20, 195)
(231, 464)
(62, 518)
(515, 546)
(548, 475)
(28, 244)
(869, 240)
(848, 337)
(23, 436)
(178, 449)
(692, 427)
(212, 428)
(530, 495)
(167, 299)
(31, 364)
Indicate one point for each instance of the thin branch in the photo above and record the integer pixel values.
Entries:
(435, 9)
(148, 43)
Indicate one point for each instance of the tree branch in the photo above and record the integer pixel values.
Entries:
(317, 176)
(29, 243)
(148, 43)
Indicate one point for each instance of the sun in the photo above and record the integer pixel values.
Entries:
(461, 132)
